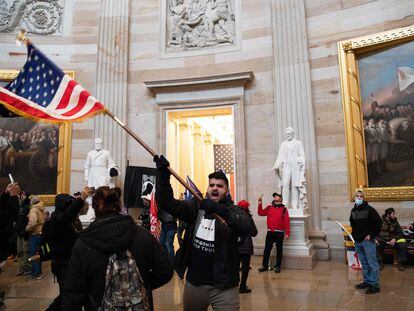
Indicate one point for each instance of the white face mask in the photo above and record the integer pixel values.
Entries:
(358, 201)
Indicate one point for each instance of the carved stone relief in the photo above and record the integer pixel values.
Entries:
(199, 24)
(40, 17)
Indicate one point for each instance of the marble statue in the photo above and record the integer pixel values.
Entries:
(196, 24)
(290, 168)
(99, 167)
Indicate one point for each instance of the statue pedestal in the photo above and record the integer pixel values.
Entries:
(298, 251)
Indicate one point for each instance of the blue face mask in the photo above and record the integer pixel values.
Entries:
(359, 201)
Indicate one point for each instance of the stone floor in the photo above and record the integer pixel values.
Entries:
(330, 286)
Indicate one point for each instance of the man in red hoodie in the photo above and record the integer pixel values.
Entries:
(278, 227)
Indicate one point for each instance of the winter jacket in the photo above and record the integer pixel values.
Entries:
(225, 272)
(246, 242)
(22, 218)
(390, 229)
(9, 206)
(364, 221)
(64, 227)
(36, 219)
(107, 235)
(277, 217)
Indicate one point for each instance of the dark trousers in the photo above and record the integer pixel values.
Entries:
(244, 260)
(400, 247)
(271, 238)
(59, 272)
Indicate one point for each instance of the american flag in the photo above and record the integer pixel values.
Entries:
(42, 91)
(223, 158)
(154, 222)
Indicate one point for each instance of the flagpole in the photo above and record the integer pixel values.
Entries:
(153, 153)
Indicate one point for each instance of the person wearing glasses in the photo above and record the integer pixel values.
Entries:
(366, 225)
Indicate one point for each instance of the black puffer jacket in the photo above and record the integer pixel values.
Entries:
(364, 220)
(246, 242)
(64, 225)
(226, 271)
(107, 235)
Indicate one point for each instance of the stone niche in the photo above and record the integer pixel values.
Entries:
(39, 17)
(196, 27)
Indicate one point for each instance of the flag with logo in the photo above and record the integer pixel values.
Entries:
(154, 222)
(43, 92)
(351, 255)
(187, 194)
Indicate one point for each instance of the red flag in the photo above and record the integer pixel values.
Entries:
(155, 223)
(43, 92)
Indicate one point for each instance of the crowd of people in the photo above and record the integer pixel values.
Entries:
(387, 131)
(15, 142)
(115, 261)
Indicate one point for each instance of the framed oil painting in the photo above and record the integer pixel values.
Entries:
(36, 154)
(377, 81)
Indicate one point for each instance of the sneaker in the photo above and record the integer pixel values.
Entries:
(372, 290)
(401, 267)
(362, 285)
(20, 273)
(244, 290)
(263, 269)
(277, 270)
(34, 278)
(381, 266)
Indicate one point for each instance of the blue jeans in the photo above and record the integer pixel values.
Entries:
(367, 254)
(34, 244)
(167, 241)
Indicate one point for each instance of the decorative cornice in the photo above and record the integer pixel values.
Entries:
(383, 37)
(241, 77)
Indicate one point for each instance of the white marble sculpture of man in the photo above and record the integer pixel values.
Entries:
(99, 167)
(290, 168)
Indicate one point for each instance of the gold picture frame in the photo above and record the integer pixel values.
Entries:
(64, 147)
(349, 52)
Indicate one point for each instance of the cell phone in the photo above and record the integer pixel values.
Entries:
(11, 178)
(93, 190)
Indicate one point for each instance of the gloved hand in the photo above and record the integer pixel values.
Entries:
(113, 172)
(162, 165)
(208, 205)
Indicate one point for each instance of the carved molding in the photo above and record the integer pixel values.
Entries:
(39, 17)
(383, 37)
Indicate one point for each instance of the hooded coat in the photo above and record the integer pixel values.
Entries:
(9, 206)
(64, 225)
(109, 234)
(36, 219)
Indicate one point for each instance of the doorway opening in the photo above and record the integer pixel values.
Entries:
(200, 141)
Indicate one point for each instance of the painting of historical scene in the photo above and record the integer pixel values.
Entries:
(29, 152)
(197, 24)
(387, 92)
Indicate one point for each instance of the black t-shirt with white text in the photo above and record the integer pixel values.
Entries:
(200, 269)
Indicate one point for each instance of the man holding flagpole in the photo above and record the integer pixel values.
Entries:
(209, 252)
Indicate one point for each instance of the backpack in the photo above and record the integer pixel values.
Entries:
(44, 250)
(124, 287)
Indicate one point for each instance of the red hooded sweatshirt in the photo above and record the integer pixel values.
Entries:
(277, 217)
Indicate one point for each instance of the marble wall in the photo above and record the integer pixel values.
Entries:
(327, 21)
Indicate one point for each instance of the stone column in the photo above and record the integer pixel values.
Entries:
(293, 98)
(112, 76)
(208, 157)
(184, 152)
(198, 160)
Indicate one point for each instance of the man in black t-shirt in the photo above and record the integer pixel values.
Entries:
(209, 251)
